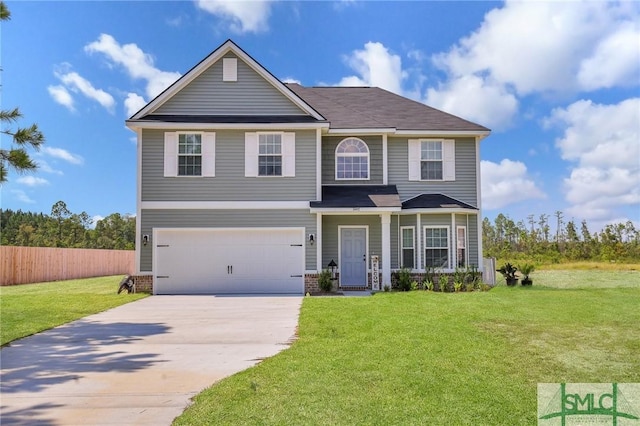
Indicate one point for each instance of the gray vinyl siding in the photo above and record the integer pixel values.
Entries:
(207, 94)
(330, 236)
(463, 188)
(395, 241)
(229, 183)
(225, 219)
(329, 144)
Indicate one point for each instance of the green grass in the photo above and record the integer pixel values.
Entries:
(31, 308)
(432, 358)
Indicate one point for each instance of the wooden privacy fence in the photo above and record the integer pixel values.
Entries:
(22, 265)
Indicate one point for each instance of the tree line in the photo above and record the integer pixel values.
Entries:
(534, 240)
(63, 228)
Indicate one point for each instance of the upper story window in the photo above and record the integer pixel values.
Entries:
(189, 154)
(352, 160)
(270, 154)
(432, 159)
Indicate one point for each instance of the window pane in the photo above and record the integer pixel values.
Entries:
(270, 165)
(436, 258)
(462, 258)
(270, 144)
(436, 238)
(462, 241)
(431, 150)
(352, 167)
(189, 165)
(352, 146)
(407, 238)
(407, 258)
(431, 170)
(189, 143)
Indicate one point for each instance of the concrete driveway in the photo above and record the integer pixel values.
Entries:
(140, 363)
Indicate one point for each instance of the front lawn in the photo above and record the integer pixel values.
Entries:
(30, 308)
(431, 358)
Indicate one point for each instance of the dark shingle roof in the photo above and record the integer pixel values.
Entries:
(358, 196)
(372, 107)
(434, 201)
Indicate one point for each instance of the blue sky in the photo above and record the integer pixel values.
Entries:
(557, 82)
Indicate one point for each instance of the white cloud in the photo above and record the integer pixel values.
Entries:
(291, 80)
(61, 95)
(43, 166)
(75, 82)
(240, 16)
(475, 99)
(602, 143)
(137, 63)
(506, 183)
(615, 62)
(63, 154)
(134, 103)
(22, 196)
(377, 67)
(539, 46)
(32, 181)
(95, 219)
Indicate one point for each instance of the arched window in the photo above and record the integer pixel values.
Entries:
(352, 160)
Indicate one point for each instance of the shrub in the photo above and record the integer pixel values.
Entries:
(508, 271)
(404, 279)
(443, 282)
(324, 280)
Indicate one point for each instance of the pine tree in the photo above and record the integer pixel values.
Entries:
(16, 157)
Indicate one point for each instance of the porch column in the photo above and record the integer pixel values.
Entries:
(385, 220)
(319, 265)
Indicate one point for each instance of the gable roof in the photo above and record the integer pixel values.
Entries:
(338, 108)
(435, 201)
(213, 57)
(372, 107)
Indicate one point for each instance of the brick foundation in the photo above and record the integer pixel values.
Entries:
(143, 283)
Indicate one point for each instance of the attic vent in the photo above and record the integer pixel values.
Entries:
(229, 69)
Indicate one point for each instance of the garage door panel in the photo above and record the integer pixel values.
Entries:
(230, 261)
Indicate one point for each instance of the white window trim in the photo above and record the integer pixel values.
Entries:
(207, 153)
(465, 247)
(425, 247)
(448, 159)
(413, 247)
(368, 155)
(287, 152)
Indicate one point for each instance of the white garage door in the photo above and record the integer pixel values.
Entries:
(229, 261)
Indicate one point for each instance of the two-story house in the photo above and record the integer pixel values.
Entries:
(250, 185)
